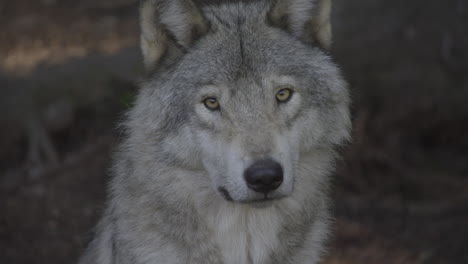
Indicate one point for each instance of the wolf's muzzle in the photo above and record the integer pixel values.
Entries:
(264, 176)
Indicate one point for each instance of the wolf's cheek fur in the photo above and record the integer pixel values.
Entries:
(182, 149)
(323, 129)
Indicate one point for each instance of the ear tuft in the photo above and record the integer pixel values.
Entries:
(308, 20)
(168, 28)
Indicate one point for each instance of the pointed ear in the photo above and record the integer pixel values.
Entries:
(168, 28)
(308, 20)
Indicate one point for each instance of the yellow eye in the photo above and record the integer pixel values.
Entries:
(284, 95)
(211, 103)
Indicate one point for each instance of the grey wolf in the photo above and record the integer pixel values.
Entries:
(231, 143)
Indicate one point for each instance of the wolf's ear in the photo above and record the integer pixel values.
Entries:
(308, 20)
(168, 27)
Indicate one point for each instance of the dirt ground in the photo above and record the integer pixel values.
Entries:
(68, 70)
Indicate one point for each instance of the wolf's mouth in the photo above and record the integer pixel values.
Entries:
(224, 192)
(260, 202)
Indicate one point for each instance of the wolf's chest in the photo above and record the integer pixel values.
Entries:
(246, 238)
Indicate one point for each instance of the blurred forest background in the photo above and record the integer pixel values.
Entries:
(69, 69)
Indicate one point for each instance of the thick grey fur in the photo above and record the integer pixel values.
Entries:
(164, 204)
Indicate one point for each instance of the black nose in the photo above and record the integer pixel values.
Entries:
(264, 176)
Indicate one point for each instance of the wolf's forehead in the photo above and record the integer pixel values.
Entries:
(237, 59)
(243, 46)
(234, 14)
(226, 57)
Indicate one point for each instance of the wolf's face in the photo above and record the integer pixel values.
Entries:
(252, 131)
(248, 137)
(246, 102)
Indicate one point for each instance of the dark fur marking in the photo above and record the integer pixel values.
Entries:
(241, 42)
(225, 194)
(113, 242)
(278, 22)
(281, 23)
(114, 249)
(196, 33)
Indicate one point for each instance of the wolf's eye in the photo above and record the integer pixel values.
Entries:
(211, 103)
(283, 95)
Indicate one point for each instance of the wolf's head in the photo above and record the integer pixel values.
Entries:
(243, 91)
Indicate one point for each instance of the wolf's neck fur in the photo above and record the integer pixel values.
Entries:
(245, 234)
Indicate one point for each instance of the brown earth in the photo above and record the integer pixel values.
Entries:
(68, 68)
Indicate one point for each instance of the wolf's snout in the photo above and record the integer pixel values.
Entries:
(264, 176)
